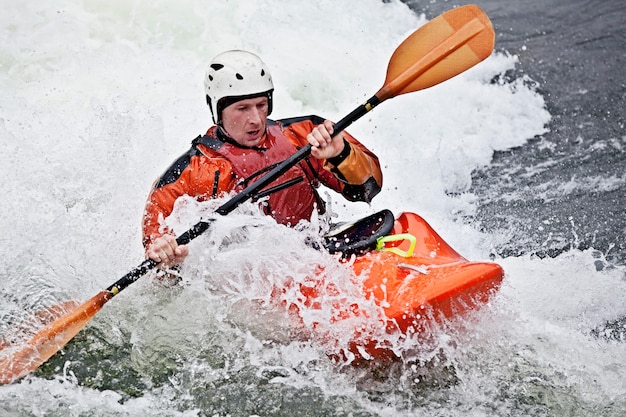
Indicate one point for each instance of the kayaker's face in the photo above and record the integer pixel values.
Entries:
(245, 120)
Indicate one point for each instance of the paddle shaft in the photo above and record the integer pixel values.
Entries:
(241, 197)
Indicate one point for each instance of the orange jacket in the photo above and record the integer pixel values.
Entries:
(208, 170)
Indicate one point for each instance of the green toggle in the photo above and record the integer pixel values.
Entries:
(380, 244)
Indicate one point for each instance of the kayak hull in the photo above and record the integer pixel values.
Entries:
(433, 276)
(414, 287)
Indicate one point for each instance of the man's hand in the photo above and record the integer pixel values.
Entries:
(166, 251)
(324, 146)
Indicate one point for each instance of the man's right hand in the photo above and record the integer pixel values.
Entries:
(166, 251)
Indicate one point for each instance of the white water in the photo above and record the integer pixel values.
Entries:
(99, 97)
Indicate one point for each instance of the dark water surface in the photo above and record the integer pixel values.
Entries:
(567, 188)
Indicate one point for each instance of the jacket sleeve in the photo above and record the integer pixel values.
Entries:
(358, 174)
(193, 174)
(159, 206)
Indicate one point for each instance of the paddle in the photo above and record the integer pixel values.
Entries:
(442, 48)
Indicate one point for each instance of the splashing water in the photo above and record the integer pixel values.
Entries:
(99, 97)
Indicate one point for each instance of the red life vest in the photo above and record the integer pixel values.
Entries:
(289, 205)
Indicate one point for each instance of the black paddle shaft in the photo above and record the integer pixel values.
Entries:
(244, 195)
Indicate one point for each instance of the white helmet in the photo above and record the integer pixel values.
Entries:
(233, 76)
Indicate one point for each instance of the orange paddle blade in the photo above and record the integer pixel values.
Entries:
(441, 49)
(37, 321)
(18, 361)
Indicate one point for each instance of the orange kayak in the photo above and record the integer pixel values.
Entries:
(403, 265)
(412, 273)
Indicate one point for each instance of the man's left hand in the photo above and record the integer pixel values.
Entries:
(323, 145)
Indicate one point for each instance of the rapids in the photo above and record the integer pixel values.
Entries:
(99, 97)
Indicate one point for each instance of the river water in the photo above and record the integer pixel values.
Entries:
(520, 160)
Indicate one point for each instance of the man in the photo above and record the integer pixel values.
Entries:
(240, 147)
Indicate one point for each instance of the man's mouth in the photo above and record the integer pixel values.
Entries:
(254, 134)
